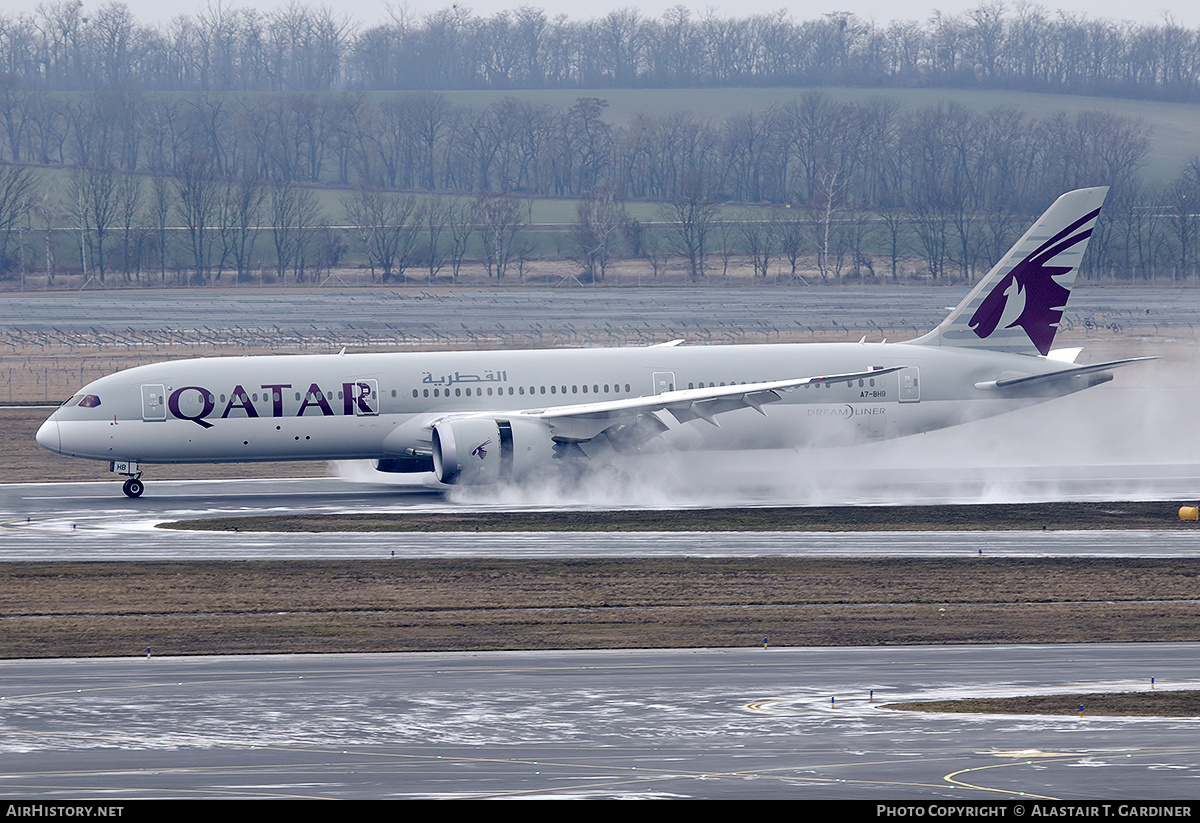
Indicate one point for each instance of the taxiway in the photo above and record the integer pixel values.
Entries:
(704, 723)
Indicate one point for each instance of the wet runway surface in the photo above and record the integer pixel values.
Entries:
(93, 521)
(734, 723)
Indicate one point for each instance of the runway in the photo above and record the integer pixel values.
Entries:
(90, 521)
(733, 723)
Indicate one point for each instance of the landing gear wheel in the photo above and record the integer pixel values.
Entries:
(133, 487)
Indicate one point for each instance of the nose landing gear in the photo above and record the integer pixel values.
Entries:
(133, 486)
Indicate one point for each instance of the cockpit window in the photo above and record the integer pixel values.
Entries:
(71, 401)
(90, 401)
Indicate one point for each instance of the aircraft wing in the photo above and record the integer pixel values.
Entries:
(1031, 379)
(583, 421)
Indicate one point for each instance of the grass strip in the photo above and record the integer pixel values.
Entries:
(979, 517)
(263, 607)
(1149, 703)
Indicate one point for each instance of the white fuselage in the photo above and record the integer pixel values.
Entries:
(354, 406)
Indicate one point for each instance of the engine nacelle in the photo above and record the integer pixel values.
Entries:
(482, 450)
(404, 465)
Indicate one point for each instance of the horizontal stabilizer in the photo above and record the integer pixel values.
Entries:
(1031, 379)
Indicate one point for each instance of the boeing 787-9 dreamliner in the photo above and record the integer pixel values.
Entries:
(477, 417)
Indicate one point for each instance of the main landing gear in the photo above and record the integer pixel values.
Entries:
(133, 487)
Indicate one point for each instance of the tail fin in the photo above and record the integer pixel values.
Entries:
(1018, 306)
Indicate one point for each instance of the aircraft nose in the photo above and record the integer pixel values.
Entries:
(47, 436)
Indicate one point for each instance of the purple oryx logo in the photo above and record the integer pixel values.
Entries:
(1028, 296)
(480, 451)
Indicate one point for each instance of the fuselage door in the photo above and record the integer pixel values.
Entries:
(910, 385)
(664, 381)
(154, 403)
(364, 396)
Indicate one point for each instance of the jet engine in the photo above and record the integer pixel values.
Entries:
(482, 450)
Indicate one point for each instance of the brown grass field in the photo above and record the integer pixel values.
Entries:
(207, 607)
(1147, 703)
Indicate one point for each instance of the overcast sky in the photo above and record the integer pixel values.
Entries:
(881, 11)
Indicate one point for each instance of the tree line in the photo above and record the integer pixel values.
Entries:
(60, 46)
(214, 182)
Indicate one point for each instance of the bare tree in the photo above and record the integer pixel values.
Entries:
(15, 105)
(727, 245)
(129, 198)
(894, 219)
(245, 198)
(1145, 230)
(461, 226)
(597, 231)
(435, 219)
(330, 248)
(17, 187)
(825, 209)
(160, 208)
(656, 250)
(293, 213)
(1183, 218)
(93, 197)
(388, 226)
(198, 200)
(760, 244)
(691, 211)
(499, 220)
(46, 207)
(789, 228)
